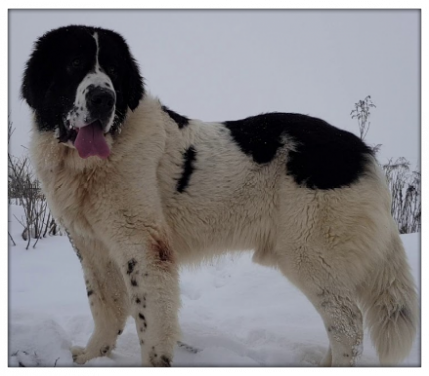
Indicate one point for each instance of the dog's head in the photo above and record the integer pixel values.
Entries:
(80, 82)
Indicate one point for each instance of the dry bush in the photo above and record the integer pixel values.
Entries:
(404, 184)
(24, 189)
(406, 198)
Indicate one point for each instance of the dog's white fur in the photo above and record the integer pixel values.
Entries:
(341, 247)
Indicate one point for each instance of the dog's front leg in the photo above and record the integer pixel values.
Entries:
(107, 296)
(151, 274)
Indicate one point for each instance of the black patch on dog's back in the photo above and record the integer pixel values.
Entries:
(181, 121)
(325, 157)
(189, 157)
(257, 136)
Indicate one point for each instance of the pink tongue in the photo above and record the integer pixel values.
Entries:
(90, 141)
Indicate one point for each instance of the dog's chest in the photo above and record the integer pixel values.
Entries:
(70, 197)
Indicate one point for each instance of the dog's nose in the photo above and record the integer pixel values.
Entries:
(100, 101)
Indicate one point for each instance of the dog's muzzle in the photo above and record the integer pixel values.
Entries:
(100, 103)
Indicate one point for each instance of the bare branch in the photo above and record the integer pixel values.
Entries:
(11, 238)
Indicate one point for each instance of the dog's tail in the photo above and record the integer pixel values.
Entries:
(389, 300)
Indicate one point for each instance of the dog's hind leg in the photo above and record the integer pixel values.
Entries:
(344, 324)
(336, 304)
(107, 297)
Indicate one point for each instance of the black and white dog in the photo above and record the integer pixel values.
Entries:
(141, 189)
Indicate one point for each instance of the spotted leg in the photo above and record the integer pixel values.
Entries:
(151, 276)
(107, 297)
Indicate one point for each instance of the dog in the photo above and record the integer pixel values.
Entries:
(141, 190)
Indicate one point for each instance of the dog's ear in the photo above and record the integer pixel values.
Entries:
(26, 92)
(135, 85)
(35, 82)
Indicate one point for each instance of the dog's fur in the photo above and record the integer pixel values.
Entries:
(307, 198)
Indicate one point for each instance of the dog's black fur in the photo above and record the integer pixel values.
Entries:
(325, 157)
(60, 60)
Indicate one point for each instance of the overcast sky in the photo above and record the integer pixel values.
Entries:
(226, 65)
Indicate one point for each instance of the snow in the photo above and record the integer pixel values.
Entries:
(235, 312)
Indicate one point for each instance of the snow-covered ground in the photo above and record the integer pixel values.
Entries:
(237, 313)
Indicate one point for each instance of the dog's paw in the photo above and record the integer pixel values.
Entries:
(161, 361)
(159, 358)
(79, 355)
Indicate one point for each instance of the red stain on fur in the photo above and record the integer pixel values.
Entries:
(162, 252)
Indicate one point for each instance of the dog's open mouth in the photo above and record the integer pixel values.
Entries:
(90, 141)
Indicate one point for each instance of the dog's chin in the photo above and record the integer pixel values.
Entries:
(68, 143)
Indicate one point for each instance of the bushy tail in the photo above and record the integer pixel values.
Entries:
(389, 300)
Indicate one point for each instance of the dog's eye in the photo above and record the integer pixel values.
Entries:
(111, 70)
(77, 62)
